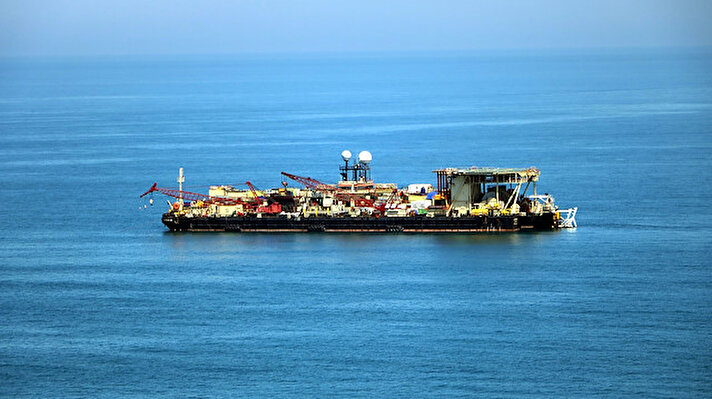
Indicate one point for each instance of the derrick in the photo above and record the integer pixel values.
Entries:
(189, 196)
(341, 194)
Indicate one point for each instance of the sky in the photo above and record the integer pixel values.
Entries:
(96, 27)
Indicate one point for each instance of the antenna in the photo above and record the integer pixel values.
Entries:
(365, 157)
(181, 180)
(360, 169)
(346, 156)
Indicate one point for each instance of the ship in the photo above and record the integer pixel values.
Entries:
(463, 200)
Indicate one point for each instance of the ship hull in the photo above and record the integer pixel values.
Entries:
(417, 224)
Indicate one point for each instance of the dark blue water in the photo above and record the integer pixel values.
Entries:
(98, 300)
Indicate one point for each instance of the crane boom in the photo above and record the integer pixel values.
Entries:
(310, 183)
(187, 195)
(338, 193)
(252, 189)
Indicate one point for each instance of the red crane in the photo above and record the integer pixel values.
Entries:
(382, 207)
(187, 195)
(254, 192)
(338, 193)
(311, 183)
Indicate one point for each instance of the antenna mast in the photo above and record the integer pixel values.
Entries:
(181, 180)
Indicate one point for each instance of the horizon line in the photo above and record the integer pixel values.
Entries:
(501, 50)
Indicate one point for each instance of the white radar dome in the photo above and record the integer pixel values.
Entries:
(346, 155)
(364, 157)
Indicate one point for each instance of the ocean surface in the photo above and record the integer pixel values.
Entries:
(97, 299)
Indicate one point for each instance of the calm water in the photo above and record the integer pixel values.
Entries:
(98, 300)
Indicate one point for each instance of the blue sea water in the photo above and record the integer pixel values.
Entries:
(98, 300)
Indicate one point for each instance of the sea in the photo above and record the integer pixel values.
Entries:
(98, 299)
